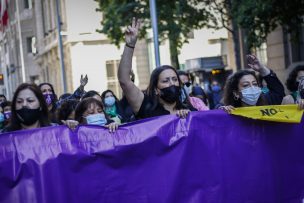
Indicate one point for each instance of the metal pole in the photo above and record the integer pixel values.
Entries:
(153, 14)
(20, 42)
(63, 75)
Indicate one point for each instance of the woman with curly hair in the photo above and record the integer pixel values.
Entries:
(243, 89)
(292, 84)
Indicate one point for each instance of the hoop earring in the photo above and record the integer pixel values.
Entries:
(235, 98)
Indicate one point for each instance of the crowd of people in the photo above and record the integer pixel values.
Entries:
(169, 92)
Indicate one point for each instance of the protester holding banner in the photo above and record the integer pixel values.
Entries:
(293, 85)
(242, 89)
(90, 111)
(66, 111)
(29, 109)
(163, 95)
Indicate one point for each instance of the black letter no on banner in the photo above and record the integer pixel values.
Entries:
(268, 112)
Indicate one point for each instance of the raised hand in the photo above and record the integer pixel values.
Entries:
(255, 64)
(132, 33)
(83, 80)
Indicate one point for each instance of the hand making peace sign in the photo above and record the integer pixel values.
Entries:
(132, 33)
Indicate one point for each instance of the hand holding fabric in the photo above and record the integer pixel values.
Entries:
(112, 127)
(72, 124)
(227, 109)
(183, 113)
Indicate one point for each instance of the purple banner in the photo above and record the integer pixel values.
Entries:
(208, 157)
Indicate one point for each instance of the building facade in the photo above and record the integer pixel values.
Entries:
(85, 50)
(17, 44)
(284, 51)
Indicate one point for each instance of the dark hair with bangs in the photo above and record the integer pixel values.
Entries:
(83, 106)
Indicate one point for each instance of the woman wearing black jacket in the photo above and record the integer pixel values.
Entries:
(243, 89)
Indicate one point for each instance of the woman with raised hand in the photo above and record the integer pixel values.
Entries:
(29, 109)
(163, 95)
(243, 89)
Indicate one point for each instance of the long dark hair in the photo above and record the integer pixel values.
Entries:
(43, 118)
(83, 106)
(55, 96)
(232, 86)
(153, 85)
(65, 109)
(291, 80)
(103, 96)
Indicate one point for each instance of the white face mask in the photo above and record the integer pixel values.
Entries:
(251, 95)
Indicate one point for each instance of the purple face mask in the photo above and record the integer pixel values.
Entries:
(49, 98)
(7, 115)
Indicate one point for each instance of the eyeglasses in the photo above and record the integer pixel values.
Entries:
(187, 84)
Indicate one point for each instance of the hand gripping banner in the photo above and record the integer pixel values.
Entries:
(208, 157)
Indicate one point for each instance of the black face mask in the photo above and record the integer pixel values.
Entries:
(28, 116)
(170, 94)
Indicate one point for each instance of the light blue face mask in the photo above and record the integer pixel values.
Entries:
(96, 119)
(2, 118)
(251, 95)
(109, 101)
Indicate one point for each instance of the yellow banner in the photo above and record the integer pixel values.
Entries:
(277, 113)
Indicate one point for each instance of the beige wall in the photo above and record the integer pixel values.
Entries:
(85, 50)
(276, 54)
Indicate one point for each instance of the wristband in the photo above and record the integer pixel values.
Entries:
(127, 45)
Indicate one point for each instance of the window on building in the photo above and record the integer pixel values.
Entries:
(113, 83)
(31, 45)
(297, 45)
(28, 4)
(294, 46)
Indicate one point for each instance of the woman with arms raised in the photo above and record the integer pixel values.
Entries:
(163, 95)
